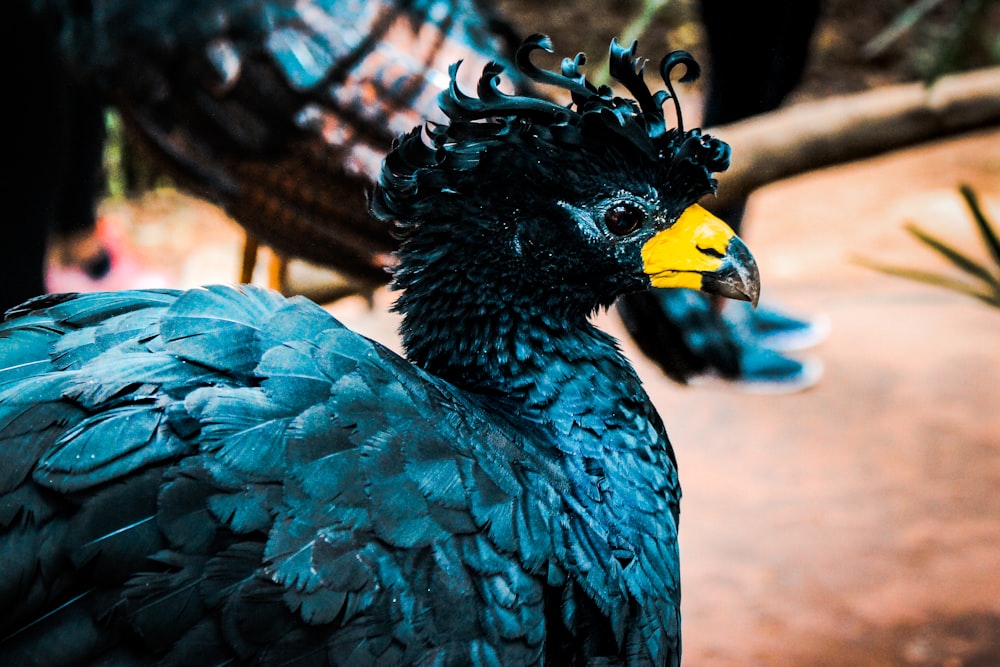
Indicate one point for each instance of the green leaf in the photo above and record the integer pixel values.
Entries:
(954, 256)
(988, 292)
(927, 278)
(985, 229)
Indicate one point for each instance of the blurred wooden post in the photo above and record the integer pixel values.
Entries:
(249, 263)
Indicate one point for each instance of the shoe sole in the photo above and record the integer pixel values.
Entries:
(794, 341)
(811, 374)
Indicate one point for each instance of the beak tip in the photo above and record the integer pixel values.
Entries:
(740, 277)
(753, 288)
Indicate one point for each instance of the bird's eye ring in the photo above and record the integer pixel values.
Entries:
(624, 218)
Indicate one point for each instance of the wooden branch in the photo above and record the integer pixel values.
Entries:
(811, 135)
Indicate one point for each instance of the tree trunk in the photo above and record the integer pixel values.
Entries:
(811, 135)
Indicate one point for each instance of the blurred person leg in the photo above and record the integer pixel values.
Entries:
(752, 72)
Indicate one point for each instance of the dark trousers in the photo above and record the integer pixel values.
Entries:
(757, 54)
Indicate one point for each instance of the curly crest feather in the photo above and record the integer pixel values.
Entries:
(596, 121)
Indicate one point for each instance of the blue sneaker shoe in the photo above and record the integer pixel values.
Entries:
(764, 371)
(775, 330)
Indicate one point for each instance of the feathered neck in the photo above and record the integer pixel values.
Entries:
(564, 382)
(501, 341)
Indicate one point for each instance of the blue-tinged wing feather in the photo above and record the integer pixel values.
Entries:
(72, 312)
(32, 418)
(278, 467)
(161, 606)
(245, 427)
(106, 446)
(218, 326)
(118, 376)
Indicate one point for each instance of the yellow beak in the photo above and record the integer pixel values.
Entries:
(701, 252)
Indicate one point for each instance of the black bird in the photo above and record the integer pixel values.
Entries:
(226, 476)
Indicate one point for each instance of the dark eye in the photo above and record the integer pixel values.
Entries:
(624, 218)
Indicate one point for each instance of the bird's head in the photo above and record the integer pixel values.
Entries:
(571, 205)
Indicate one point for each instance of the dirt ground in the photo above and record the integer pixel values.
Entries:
(857, 523)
